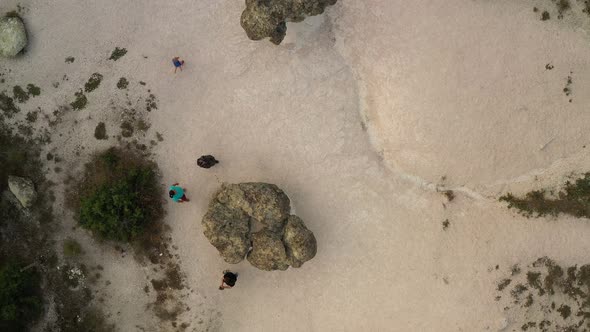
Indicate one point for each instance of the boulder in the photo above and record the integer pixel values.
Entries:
(237, 209)
(300, 243)
(268, 18)
(13, 37)
(268, 251)
(228, 230)
(23, 189)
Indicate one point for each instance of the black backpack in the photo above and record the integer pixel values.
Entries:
(230, 278)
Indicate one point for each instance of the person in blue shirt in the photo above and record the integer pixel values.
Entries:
(177, 193)
(177, 63)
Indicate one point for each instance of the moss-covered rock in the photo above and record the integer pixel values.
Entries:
(281, 240)
(13, 36)
(268, 18)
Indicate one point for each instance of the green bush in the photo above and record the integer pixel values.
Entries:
(121, 196)
(19, 299)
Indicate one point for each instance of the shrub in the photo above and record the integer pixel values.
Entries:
(71, 248)
(119, 195)
(573, 199)
(19, 299)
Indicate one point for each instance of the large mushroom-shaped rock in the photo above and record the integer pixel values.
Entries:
(268, 18)
(236, 209)
(228, 230)
(268, 251)
(300, 243)
(23, 189)
(13, 37)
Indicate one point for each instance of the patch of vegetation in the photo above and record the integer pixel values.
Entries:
(150, 103)
(119, 195)
(573, 199)
(160, 137)
(123, 83)
(30, 246)
(126, 129)
(503, 284)
(568, 86)
(7, 105)
(20, 301)
(545, 16)
(446, 223)
(20, 94)
(72, 248)
(80, 102)
(561, 299)
(32, 116)
(565, 311)
(118, 53)
(449, 194)
(18, 156)
(33, 90)
(70, 59)
(563, 5)
(93, 82)
(142, 125)
(100, 132)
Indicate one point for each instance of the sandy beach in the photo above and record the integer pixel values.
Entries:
(363, 115)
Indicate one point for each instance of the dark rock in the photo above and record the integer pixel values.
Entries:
(207, 161)
(300, 243)
(268, 251)
(268, 18)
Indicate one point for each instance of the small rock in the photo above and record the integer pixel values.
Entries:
(23, 189)
(13, 37)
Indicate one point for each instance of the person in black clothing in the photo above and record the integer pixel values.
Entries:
(229, 280)
(207, 161)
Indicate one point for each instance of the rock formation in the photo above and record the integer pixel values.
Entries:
(13, 37)
(268, 18)
(236, 209)
(23, 189)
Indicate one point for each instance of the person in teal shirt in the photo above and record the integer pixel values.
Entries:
(177, 193)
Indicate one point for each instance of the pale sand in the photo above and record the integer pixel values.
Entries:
(445, 89)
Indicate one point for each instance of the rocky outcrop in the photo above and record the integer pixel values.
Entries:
(236, 209)
(13, 37)
(268, 18)
(23, 189)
